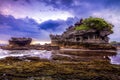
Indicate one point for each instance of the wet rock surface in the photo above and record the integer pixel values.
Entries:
(61, 65)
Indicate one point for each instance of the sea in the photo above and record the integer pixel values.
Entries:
(44, 54)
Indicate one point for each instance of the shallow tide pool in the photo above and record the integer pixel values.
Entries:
(44, 54)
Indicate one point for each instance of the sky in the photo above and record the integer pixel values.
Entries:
(39, 18)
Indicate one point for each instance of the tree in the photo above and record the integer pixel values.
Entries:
(95, 23)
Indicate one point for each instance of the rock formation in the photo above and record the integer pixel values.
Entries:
(24, 44)
(17, 42)
(88, 31)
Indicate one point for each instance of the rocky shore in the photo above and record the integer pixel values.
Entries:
(87, 46)
(31, 47)
(76, 67)
(72, 46)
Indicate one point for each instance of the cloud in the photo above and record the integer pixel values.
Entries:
(56, 9)
(50, 25)
(27, 1)
(57, 26)
(27, 27)
(22, 25)
(35, 18)
(9, 27)
(34, 9)
(83, 8)
(107, 9)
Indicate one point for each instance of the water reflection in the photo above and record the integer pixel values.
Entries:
(115, 59)
(86, 55)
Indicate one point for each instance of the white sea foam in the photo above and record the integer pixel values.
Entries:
(43, 54)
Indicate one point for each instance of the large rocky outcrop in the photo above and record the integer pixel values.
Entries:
(16, 42)
(87, 31)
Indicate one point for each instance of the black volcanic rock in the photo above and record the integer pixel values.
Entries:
(20, 41)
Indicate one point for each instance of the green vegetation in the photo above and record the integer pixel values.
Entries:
(82, 27)
(14, 69)
(94, 23)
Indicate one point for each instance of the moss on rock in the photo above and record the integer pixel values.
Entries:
(66, 70)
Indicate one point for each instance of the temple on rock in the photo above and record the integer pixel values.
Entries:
(89, 30)
(19, 41)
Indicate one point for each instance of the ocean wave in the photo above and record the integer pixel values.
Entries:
(42, 54)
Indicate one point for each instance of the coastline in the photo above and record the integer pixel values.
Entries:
(70, 49)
